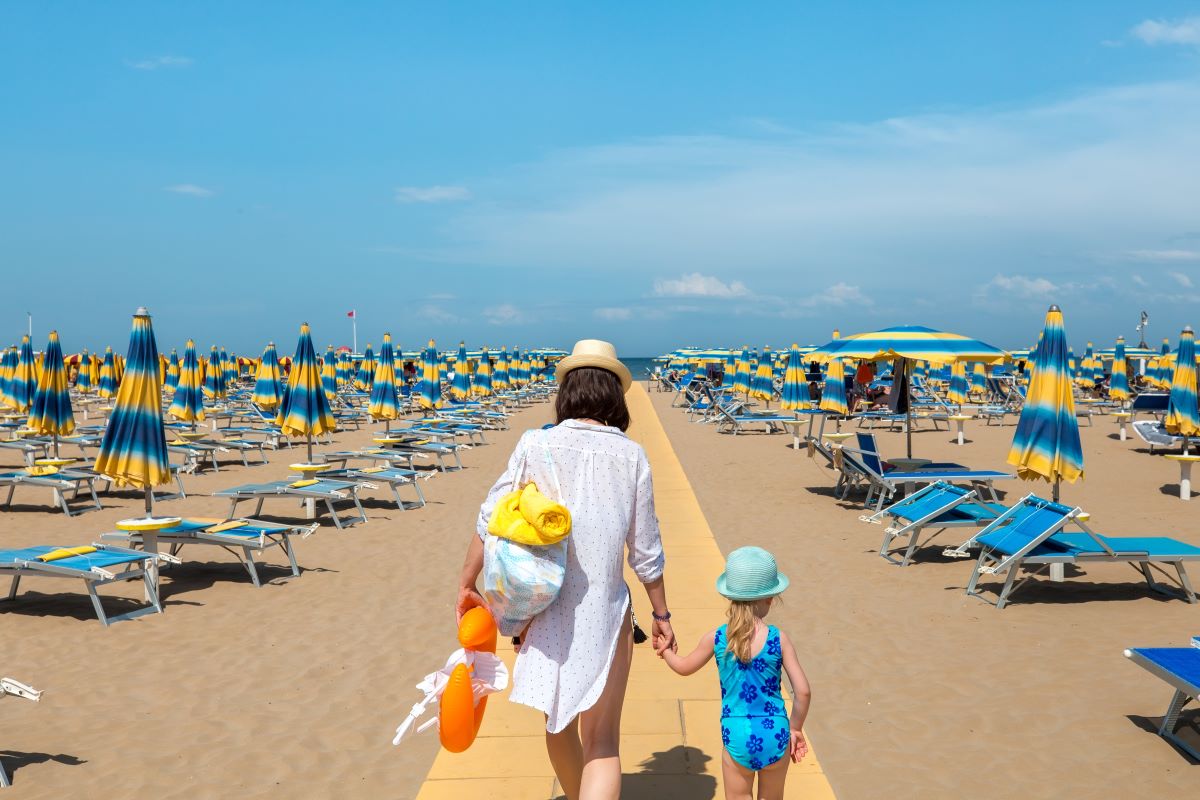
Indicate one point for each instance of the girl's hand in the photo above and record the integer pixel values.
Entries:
(799, 747)
(664, 637)
(468, 598)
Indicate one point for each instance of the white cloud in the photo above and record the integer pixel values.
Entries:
(843, 294)
(431, 194)
(160, 62)
(435, 313)
(1181, 279)
(613, 314)
(696, 285)
(190, 189)
(504, 314)
(1021, 286)
(442, 296)
(1157, 31)
(1164, 255)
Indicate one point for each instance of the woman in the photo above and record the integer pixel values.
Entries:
(573, 664)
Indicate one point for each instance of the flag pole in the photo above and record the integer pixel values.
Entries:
(354, 328)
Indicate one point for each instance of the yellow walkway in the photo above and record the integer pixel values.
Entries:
(670, 743)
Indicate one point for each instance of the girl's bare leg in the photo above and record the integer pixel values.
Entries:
(739, 781)
(771, 778)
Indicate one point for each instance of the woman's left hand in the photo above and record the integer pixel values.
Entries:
(664, 637)
(468, 598)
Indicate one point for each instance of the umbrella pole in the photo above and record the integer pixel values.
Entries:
(54, 438)
(907, 409)
(150, 542)
(308, 442)
(1054, 491)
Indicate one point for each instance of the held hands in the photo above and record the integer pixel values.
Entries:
(798, 748)
(663, 637)
(468, 598)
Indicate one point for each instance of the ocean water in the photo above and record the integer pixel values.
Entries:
(638, 367)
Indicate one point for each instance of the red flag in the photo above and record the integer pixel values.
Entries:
(349, 313)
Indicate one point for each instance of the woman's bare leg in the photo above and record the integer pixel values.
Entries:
(566, 756)
(600, 727)
(739, 781)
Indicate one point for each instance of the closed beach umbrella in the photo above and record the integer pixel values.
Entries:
(24, 379)
(268, 388)
(305, 408)
(461, 388)
(731, 364)
(1119, 388)
(1183, 416)
(833, 396)
(515, 376)
(384, 404)
(978, 378)
(51, 414)
(958, 383)
(173, 370)
(188, 403)
(1087, 369)
(108, 375)
(83, 381)
(429, 387)
(795, 387)
(366, 370)
(1162, 376)
(343, 370)
(329, 373)
(1046, 443)
(500, 373)
(482, 386)
(741, 377)
(763, 387)
(215, 386)
(8, 368)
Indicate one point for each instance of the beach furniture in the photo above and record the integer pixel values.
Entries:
(1185, 472)
(1150, 403)
(241, 537)
(30, 449)
(939, 505)
(93, 564)
(740, 423)
(400, 442)
(1030, 536)
(88, 470)
(1179, 668)
(859, 470)
(1155, 434)
(394, 477)
(11, 686)
(328, 491)
(59, 483)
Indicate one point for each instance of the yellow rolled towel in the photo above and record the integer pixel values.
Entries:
(65, 552)
(303, 483)
(529, 517)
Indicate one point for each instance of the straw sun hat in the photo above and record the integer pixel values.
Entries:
(594, 353)
(751, 574)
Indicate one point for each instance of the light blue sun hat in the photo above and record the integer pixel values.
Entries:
(751, 574)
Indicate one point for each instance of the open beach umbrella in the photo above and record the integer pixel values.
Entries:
(795, 387)
(482, 386)
(24, 380)
(329, 373)
(461, 388)
(500, 371)
(959, 390)
(52, 414)
(268, 388)
(1183, 416)
(1119, 388)
(763, 387)
(741, 376)
(108, 375)
(384, 405)
(1046, 443)
(188, 403)
(429, 387)
(133, 451)
(305, 408)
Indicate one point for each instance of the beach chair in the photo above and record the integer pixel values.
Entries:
(93, 565)
(60, 484)
(11, 686)
(1179, 667)
(740, 423)
(868, 448)
(241, 537)
(328, 491)
(939, 505)
(860, 470)
(394, 477)
(1030, 536)
(1150, 403)
(1155, 434)
(440, 451)
(30, 450)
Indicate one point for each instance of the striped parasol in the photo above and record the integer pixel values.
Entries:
(108, 375)
(24, 380)
(1119, 388)
(343, 373)
(52, 414)
(978, 378)
(188, 403)
(305, 408)
(1183, 416)
(83, 381)
(795, 387)
(268, 387)
(1162, 376)
(173, 370)
(500, 371)
(911, 342)
(482, 386)
(741, 376)
(329, 373)
(384, 404)
(215, 386)
(365, 379)
(959, 390)
(515, 378)
(1086, 373)
(833, 396)
(762, 386)
(429, 387)
(1046, 443)
(8, 368)
(461, 388)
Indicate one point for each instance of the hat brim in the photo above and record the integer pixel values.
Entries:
(781, 583)
(589, 360)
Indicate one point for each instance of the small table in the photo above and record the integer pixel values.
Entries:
(958, 420)
(837, 438)
(910, 465)
(309, 471)
(1185, 473)
(149, 528)
(191, 436)
(1122, 418)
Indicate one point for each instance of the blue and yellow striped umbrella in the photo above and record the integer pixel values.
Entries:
(482, 386)
(1086, 374)
(515, 379)
(305, 408)
(343, 370)
(188, 403)
(833, 396)
(384, 404)
(268, 387)
(329, 373)
(461, 388)
(215, 386)
(83, 381)
(365, 380)
(741, 376)
(795, 387)
(1183, 416)
(978, 378)
(108, 375)
(500, 372)
(173, 371)
(1046, 442)
(8, 368)
(1119, 388)
(228, 369)
(731, 365)
(134, 449)
(52, 414)
(959, 390)
(429, 387)
(913, 342)
(24, 380)
(762, 386)
(1162, 378)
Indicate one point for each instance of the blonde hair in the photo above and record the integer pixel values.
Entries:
(739, 633)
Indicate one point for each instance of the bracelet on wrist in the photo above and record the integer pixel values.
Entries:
(664, 618)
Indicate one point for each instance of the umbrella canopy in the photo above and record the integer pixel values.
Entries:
(108, 375)
(173, 370)
(978, 378)
(83, 381)
(329, 373)
(51, 414)
(1183, 417)
(384, 403)
(24, 380)
(1119, 388)
(305, 408)
(741, 376)
(833, 396)
(795, 387)
(958, 383)
(268, 388)
(429, 387)
(762, 387)
(500, 372)
(1046, 443)
(8, 368)
(215, 385)
(515, 378)
(1086, 373)
(461, 388)
(134, 449)
(188, 403)
(343, 369)
(483, 376)
(1162, 376)
(366, 370)
(913, 342)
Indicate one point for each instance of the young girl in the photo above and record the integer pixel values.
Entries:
(751, 655)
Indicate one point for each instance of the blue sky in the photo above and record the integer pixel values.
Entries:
(655, 174)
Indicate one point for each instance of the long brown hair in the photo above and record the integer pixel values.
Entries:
(739, 633)
(592, 393)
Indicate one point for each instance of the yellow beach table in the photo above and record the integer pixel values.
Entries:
(1185, 473)
(959, 420)
(1122, 418)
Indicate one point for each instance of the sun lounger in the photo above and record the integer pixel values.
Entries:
(739, 423)
(939, 505)
(1155, 434)
(859, 470)
(241, 537)
(1179, 667)
(394, 477)
(94, 567)
(1030, 536)
(1150, 403)
(327, 491)
(11, 686)
(409, 443)
(30, 450)
(59, 483)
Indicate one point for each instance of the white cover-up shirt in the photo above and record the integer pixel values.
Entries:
(566, 653)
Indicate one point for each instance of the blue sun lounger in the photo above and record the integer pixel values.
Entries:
(327, 491)
(59, 483)
(394, 477)
(1030, 536)
(1180, 668)
(859, 469)
(939, 505)
(737, 423)
(94, 569)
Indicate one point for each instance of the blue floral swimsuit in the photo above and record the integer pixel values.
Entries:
(754, 722)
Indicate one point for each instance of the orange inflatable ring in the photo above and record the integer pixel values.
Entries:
(459, 717)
